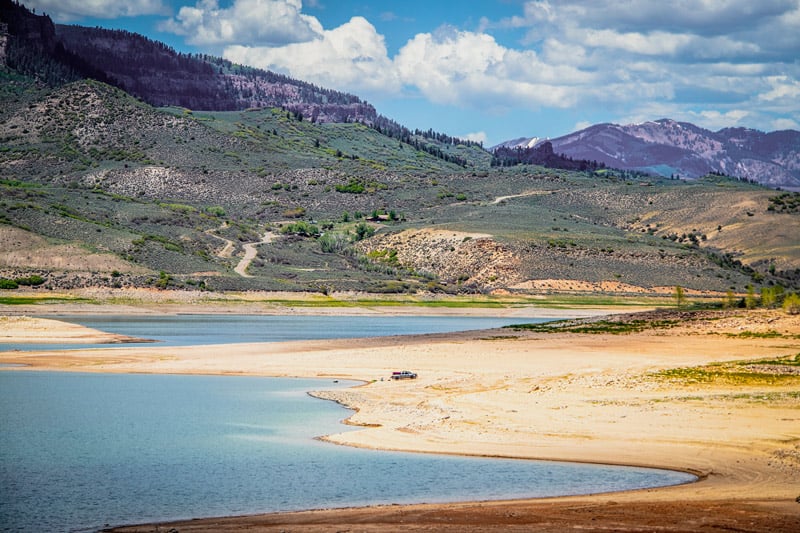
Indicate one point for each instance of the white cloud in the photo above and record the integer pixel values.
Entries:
(656, 43)
(705, 18)
(785, 124)
(466, 68)
(478, 137)
(698, 61)
(350, 57)
(71, 10)
(715, 120)
(642, 59)
(783, 89)
(256, 22)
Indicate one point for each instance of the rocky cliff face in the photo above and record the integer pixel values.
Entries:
(160, 76)
(455, 258)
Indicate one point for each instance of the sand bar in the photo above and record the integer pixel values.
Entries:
(564, 396)
(34, 330)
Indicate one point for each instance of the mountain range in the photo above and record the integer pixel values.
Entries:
(680, 149)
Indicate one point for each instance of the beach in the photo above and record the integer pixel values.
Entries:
(645, 397)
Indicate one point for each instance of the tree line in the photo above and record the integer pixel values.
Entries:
(541, 154)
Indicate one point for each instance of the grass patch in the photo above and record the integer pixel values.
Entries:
(758, 372)
(785, 361)
(771, 334)
(568, 301)
(500, 338)
(36, 300)
(757, 397)
(597, 327)
(447, 303)
(710, 375)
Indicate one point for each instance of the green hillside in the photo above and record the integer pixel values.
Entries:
(99, 188)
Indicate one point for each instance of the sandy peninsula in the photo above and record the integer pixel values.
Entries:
(29, 330)
(713, 393)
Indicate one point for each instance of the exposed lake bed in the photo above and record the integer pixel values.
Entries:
(506, 394)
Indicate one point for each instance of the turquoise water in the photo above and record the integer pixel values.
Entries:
(78, 451)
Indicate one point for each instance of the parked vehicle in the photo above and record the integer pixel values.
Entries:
(404, 374)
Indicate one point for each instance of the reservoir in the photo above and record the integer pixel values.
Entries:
(78, 451)
(193, 330)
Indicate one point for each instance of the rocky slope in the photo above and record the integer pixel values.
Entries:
(454, 258)
(158, 74)
(681, 149)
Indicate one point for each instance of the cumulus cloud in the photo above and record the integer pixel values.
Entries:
(258, 22)
(641, 59)
(70, 10)
(477, 136)
(714, 119)
(467, 68)
(678, 16)
(785, 124)
(350, 57)
(675, 59)
(782, 88)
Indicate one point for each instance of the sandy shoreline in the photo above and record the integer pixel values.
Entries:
(29, 330)
(560, 396)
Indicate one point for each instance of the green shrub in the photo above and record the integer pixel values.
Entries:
(163, 280)
(302, 228)
(353, 187)
(751, 301)
(388, 256)
(295, 212)
(334, 243)
(180, 208)
(215, 211)
(791, 304)
(8, 284)
(30, 280)
(364, 231)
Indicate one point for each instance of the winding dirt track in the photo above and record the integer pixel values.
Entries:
(250, 253)
(250, 250)
(227, 250)
(500, 199)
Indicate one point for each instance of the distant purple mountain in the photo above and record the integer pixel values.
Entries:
(671, 148)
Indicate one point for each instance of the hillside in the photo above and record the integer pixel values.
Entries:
(109, 191)
(158, 74)
(32, 45)
(669, 148)
(165, 190)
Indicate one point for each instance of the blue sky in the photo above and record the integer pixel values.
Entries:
(494, 70)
